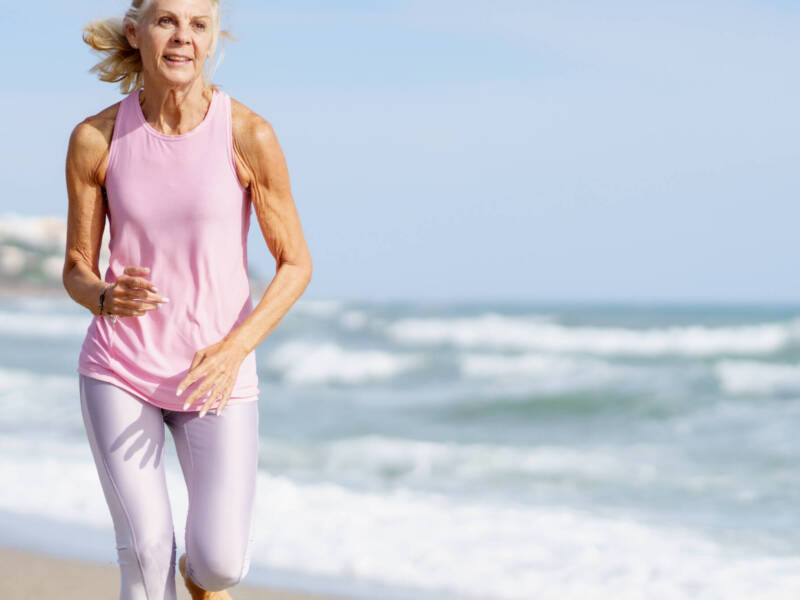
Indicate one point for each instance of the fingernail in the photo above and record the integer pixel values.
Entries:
(154, 288)
(166, 299)
(202, 414)
(178, 391)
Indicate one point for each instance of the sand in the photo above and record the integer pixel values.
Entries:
(26, 575)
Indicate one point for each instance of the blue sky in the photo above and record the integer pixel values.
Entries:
(484, 150)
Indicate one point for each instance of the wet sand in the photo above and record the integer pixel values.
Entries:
(26, 575)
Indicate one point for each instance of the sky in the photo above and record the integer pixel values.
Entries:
(468, 151)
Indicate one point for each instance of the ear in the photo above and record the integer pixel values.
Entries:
(130, 33)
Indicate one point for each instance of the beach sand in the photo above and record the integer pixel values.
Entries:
(26, 575)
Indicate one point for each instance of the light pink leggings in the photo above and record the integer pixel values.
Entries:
(219, 459)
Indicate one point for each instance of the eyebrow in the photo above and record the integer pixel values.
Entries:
(164, 11)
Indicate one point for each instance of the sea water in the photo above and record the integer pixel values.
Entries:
(466, 450)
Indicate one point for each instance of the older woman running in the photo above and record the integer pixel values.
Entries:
(176, 166)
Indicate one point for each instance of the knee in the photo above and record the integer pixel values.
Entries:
(214, 573)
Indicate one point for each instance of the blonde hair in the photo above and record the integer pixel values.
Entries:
(123, 62)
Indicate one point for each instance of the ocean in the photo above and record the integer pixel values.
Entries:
(466, 450)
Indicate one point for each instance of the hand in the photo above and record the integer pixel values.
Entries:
(132, 296)
(219, 364)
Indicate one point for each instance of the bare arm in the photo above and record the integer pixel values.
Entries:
(87, 158)
(262, 168)
(88, 147)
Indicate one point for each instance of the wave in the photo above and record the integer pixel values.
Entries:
(317, 308)
(549, 372)
(306, 362)
(430, 542)
(495, 331)
(30, 324)
(43, 402)
(381, 459)
(756, 377)
(354, 319)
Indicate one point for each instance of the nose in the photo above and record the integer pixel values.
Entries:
(182, 34)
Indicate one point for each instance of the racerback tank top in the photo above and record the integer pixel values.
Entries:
(175, 205)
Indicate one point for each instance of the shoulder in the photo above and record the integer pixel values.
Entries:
(257, 153)
(90, 139)
(95, 130)
(252, 133)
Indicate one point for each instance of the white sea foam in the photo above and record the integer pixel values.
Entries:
(423, 463)
(30, 324)
(550, 372)
(317, 308)
(354, 319)
(508, 552)
(305, 362)
(38, 400)
(495, 331)
(14, 381)
(756, 377)
(428, 541)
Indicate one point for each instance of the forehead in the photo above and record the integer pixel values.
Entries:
(191, 8)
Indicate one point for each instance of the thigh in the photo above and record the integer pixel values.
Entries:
(219, 458)
(126, 436)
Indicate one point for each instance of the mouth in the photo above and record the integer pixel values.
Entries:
(177, 60)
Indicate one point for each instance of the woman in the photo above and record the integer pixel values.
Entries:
(175, 166)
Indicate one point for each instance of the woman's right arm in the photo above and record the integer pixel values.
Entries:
(86, 157)
(132, 294)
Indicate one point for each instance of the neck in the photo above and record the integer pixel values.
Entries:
(175, 110)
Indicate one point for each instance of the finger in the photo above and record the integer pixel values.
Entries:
(137, 282)
(144, 304)
(200, 390)
(221, 394)
(229, 385)
(191, 376)
(146, 295)
(131, 309)
(197, 359)
(207, 405)
(135, 277)
(224, 402)
(221, 391)
(211, 398)
(136, 304)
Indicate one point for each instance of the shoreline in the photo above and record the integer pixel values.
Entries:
(32, 575)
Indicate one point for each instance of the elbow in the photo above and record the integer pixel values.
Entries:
(66, 274)
(304, 270)
(308, 268)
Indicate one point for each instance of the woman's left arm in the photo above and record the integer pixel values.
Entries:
(262, 168)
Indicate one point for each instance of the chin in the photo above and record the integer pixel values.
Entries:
(170, 79)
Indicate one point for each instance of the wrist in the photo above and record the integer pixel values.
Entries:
(103, 300)
(236, 341)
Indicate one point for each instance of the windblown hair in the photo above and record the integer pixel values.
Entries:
(123, 63)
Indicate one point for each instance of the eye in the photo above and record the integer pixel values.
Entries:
(202, 26)
(163, 19)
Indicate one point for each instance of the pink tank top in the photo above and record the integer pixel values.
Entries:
(175, 205)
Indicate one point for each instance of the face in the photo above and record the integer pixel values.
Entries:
(174, 38)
